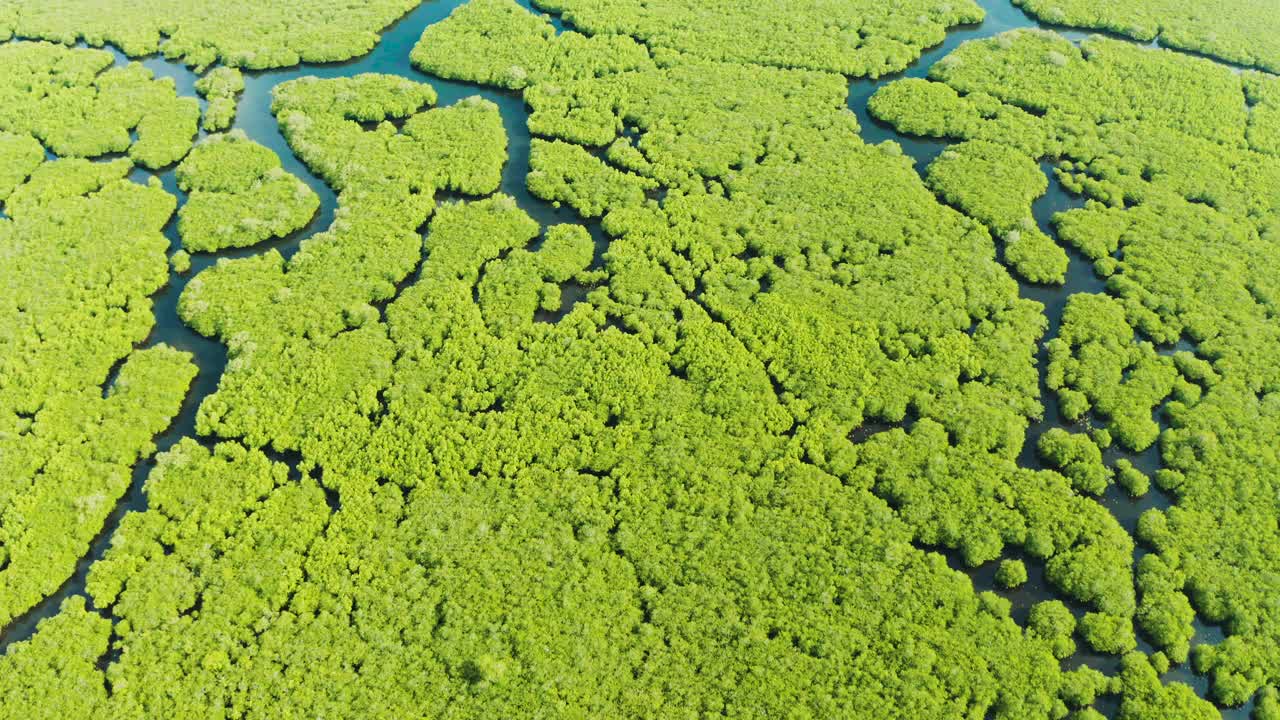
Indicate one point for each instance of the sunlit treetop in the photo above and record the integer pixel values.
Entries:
(250, 34)
(239, 195)
(1246, 32)
(78, 105)
(851, 37)
(1181, 218)
(220, 86)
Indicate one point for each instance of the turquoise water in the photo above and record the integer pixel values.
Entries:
(391, 56)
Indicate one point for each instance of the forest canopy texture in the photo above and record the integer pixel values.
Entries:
(584, 359)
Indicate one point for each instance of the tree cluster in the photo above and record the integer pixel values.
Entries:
(851, 37)
(79, 403)
(244, 33)
(723, 481)
(77, 105)
(220, 86)
(239, 195)
(1246, 32)
(1173, 154)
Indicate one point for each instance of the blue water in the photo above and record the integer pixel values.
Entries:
(390, 56)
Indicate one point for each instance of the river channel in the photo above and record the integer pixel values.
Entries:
(391, 56)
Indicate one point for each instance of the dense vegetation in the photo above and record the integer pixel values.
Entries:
(243, 33)
(718, 449)
(83, 250)
(1262, 92)
(77, 105)
(1240, 31)
(996, 184)
(239, 195)
(220, 86)
(852, 37)
(1182, 222)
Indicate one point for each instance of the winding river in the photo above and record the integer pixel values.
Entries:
(391, 56)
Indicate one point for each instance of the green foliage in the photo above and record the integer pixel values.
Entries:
(1011, 574)
(220, 114)
(1101, 437)
(1077, 457)
(1083, 685)
(1134, 481)
(865, 38)
(75, 225)
(702, 119)
(1144, 697)
(460, 148)
(1099, 80)
(66, 468)
(1239, 31)
(77, 105)
(255, 35)
(513, 288)
(463, 146)
(1108, 633)
(1005, 90)
(239, 195)
(996, 185)
(180, 261)
(79, 404)
(919, 107)
(497, 42)
(671, 458)
(221, 82)
(1268, 706)
(653, 504)
(220, 86)
(324, 293)
(1159, 144)
(1053, 622)
(607, 494)
(783, 192)
(232, 547)
(55, 674)
(369, 97)
(20, 155)
(84, 251)
(1095, 364)
(561, 172)
(1087, 553)
(1263, 94)
(1164, 613)
(1180, 219)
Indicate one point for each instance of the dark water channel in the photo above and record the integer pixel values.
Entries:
(1003, 16)
(253, 116)
(391, 56)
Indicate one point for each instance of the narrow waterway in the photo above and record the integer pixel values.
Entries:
(254, 118)
(1001, 17)
(391, 56)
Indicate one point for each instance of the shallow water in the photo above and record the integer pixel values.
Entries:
(391, 56)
